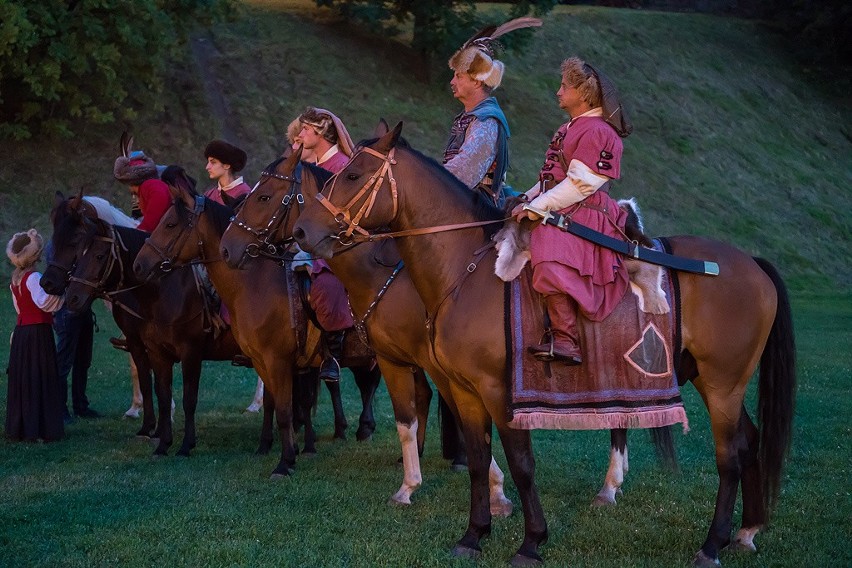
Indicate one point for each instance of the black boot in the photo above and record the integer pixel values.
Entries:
(330, 368)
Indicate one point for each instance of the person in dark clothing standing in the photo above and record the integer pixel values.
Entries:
(74, 344)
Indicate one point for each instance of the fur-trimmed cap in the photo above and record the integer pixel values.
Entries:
(226, 153)
(24, 249)
(476, 56)
(134, 169)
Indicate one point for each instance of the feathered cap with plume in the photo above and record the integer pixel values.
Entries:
(132, 167)
(476, 56)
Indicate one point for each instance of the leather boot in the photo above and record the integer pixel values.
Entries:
(565, 344)
(330, 368)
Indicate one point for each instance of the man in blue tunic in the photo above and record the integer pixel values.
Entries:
(478, 150)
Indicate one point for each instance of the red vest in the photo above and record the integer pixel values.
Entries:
(28, 312)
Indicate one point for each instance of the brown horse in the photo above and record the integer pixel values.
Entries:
(164, 322)
(729, 323)
(190, 231)
(386, 308)
(391, 312)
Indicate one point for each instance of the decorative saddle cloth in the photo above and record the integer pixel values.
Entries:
(626, 380)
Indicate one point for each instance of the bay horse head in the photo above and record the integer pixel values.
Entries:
(175, 241)
(263, 224)
(353, 203)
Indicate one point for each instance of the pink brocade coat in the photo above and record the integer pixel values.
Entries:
(564, 263)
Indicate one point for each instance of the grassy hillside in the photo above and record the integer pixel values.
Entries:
(733, 140)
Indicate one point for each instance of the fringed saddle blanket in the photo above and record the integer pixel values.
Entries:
(626, 380)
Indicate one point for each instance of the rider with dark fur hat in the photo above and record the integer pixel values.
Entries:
(224, 161)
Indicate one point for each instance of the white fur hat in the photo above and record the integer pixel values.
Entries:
(24, 249)
(476, 56)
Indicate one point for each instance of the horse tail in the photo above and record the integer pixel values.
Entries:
(776, 391)
(664, 447)
(450, 441)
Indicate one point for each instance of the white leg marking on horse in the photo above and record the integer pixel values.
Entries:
(501, 506)
(411, 478)
(614, 479)
(257, 402)
(744, 539)
(136, 403)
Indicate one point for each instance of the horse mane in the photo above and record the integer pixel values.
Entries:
(483, 208)
(109, 213)
(320, 173)
(132, 238)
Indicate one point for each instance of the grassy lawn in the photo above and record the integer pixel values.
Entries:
(98, 498)
(733, 140)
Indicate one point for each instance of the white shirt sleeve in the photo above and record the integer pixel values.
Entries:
(580, 183)
(46, 302)
(477, 152)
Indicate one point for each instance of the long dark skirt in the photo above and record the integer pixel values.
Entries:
(34, 403)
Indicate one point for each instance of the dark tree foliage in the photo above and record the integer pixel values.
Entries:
(438, 27)
(63, 61)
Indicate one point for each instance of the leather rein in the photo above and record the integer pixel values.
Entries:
(351, 231)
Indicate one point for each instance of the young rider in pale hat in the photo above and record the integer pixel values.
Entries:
(477, 151)
(326, 138)
(324, 134)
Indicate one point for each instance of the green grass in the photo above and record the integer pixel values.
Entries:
(732, 140)
(98, 498)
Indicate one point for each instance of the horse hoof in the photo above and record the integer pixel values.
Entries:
(142, 436)
(738, 546)
(461, 551)
(701, 560)
(394, 502)
(502, 508)
(458, 467)
(183, 453)
(282, 474)
(364, 436)
(603, 501)
(523, 560)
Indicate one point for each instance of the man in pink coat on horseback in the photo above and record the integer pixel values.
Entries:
(324, 134)
(580, 163)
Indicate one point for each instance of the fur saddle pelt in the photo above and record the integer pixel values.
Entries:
(513, 252)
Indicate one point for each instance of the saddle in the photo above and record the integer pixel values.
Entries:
(304, 321)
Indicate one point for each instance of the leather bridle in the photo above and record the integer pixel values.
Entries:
(349, 224)
(264, 245)
(167, 255)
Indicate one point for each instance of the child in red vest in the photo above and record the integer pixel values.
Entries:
(34, 402)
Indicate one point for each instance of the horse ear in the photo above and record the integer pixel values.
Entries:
(382, 128)
(58, 198)
(390, 139)
(293, 159)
